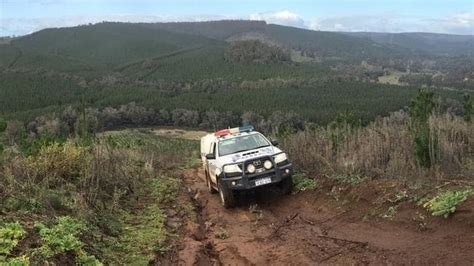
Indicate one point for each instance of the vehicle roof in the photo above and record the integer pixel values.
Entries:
(235, 135)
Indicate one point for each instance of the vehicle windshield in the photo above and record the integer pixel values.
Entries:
(242, 143)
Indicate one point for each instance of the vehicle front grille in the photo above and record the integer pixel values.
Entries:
(262, 175)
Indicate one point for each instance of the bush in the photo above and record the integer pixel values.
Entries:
(62, 238)
(33, 146)
(468, 108)
(446, 202)
(3, 125)
(302, 182)
(10, 235)
(58, 162)
(383, 149)
(420, 110)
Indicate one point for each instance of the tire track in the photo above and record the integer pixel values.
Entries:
(308, 228)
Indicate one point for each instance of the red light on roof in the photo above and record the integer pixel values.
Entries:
(223, 132)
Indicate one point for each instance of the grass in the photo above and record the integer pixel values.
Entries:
(126, 221)
(143, 224)
(165, 189)
(143, 233)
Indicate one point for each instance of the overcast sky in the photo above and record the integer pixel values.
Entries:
(19, 17)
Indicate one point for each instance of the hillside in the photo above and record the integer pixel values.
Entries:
(96, 47)
(165, 65)
(436, 44)
(317, 43)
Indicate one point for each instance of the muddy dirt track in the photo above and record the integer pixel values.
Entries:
(308, 228)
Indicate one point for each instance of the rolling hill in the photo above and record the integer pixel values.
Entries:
(183, 65)
(102, 45)
(436, 44)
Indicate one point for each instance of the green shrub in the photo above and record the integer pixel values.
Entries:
(60, 238)
(21, 204)
(64, 237)
(18, 261)
(10, 235)
(468, 108)
(33, 147)
(390, 213)
(421, 108)
(3, 125)
(302, 182)
(446, 202)
(65, 161)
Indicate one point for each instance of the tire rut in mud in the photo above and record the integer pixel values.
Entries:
(266, 228)
(309, 228)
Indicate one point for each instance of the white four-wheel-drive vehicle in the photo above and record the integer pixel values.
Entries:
(241, 159)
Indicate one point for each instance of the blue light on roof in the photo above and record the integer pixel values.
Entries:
(246, 128)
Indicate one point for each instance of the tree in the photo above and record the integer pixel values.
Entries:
(421, 108)
(3, 125)
(468, 107)
(255, 52)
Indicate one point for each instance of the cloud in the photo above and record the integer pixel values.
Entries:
(283, 17)
(462, 23)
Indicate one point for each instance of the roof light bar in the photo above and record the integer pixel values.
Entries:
(246, 128)
(235, 130)
(223, 132)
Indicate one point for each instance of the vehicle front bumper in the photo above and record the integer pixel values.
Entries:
(247, 181)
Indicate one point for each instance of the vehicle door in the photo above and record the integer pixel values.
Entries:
(212, 163)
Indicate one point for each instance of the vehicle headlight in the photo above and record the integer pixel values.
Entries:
(280, 157)
(251, 168)
(268, 164)
(232, 168)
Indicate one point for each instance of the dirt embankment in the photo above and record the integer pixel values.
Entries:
(311, 228)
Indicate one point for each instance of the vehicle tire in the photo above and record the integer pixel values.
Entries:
(287, 185)
(210, 188)
(227, 196)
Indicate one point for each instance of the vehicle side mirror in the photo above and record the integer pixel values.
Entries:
(274, 142)
(210, 156)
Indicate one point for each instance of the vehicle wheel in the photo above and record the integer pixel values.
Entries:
(287, 185)
(227, 196)
(210, 188)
